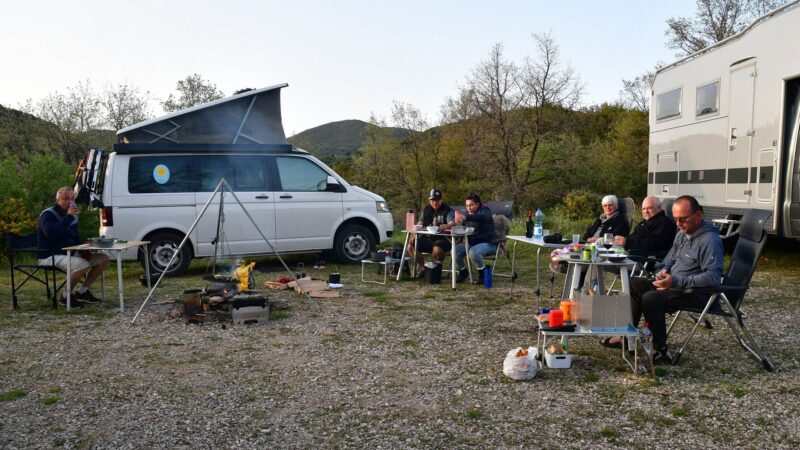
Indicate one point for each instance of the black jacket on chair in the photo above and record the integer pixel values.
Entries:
(653, 236)
(617, 225)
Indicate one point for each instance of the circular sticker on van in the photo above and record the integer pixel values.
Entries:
(161, 174)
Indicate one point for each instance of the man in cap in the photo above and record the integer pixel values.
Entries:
(437, 213)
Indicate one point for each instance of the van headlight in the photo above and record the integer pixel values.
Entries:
(382, 207)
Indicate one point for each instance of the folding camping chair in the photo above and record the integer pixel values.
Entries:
(23, 259)
(502, 225)
(727, 300)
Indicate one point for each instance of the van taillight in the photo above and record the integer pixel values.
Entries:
(107, 217)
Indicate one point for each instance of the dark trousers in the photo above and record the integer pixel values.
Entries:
(645, 299)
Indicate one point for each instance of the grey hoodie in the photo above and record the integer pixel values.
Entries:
(696, 261)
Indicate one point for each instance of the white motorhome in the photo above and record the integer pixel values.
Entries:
(724, 124)
(161, 174)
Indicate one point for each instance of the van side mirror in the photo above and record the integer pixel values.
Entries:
(332, 185)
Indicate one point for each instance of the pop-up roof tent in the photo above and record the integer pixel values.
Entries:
(252, 117)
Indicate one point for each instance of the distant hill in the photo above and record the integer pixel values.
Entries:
(335, 140)
(23, 135)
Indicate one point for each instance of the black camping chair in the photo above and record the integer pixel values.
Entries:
(727, 300)
(23, 259)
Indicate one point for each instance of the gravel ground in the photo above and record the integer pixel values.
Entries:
(407, 365)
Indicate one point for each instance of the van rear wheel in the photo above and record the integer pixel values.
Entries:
(160, 250)
(353, 243)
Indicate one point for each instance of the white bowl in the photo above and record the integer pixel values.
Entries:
(469, 230)
(458, 229)
(418, 227)
(433, 229)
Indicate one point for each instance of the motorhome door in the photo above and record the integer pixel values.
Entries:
(740, 133)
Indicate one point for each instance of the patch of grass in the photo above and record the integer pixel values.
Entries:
(474, 413)
(59, 442)
(51, 399)
(665, 421)
(591, 378)
(54, 390)
(661, 372)
(738, 392)
(609, 433)
(680, 411)
(278, 314)
(763, 421)
(375, 294)
(13, 394)
(410, 343)
(637, 417)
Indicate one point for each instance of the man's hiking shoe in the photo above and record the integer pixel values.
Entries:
(87, 298)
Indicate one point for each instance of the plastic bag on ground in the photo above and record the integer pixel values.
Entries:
(520, 368)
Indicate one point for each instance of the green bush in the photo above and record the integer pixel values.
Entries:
(581, 204)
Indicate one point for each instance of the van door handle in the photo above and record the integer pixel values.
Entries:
(286, 196)
(262, 197)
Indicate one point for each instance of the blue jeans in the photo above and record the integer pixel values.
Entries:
(476, 254)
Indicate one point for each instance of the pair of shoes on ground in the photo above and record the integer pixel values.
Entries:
(662, 356)
(320, 264)
(80, 299)
(420, 274)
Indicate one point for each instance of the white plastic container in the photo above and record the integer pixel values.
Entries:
(557, 361)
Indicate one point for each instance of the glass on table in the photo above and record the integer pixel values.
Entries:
(608, 240)
(576, 238)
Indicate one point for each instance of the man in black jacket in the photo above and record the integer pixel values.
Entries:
(653, 236)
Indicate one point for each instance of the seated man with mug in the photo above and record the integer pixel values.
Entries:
(58, 228)
(437, 213)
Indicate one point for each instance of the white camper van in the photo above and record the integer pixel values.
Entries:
(724, 124)
(155, 183)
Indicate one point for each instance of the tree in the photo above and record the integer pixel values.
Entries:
(714, 21)
(506, 112)
(635, 93)
(123, 105)
(401, 167)
(193, 90)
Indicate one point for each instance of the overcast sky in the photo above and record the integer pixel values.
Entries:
(342, 59)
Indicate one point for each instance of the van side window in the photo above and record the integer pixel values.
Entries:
(243, 173)
(668, 104)
(156, 174)
(298, 174)
(707, 98)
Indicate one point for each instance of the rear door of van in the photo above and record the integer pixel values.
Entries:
(306, 215)
(247, 176)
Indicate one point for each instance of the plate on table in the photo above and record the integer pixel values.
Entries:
(614, 257)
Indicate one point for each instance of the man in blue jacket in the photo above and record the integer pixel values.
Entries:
(58, 228)
(481, 243)
(694, 261)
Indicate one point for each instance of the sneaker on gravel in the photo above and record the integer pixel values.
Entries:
(662, 356)
(87, 297)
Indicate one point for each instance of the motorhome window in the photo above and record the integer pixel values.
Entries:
(298, 174)
(157, 174)
(707, 99)
(242, 173)
(668, 105)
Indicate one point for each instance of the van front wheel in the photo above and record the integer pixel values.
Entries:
(160, 250)
(353, 243)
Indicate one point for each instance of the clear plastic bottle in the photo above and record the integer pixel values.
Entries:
(537, 228)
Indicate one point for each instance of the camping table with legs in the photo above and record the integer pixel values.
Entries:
(631, 334)
(452, 238)
(596, 267)
(540, 244)
(117, 248)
